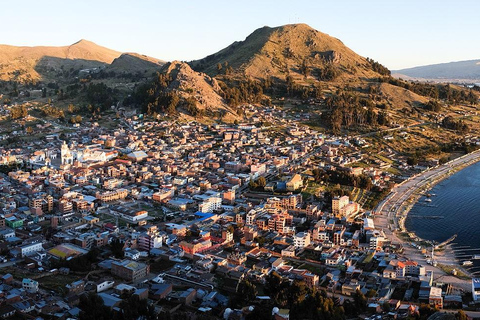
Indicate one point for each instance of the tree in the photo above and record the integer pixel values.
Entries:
(461, 315)
(360, 301)
(93, 308)
(76, 119)
(273, 286)
(386, 306)
(18, 112)
(116, 246)
(71, 108)
(371, 293)
(412, 161)
(261, 182)
(305, 69)
(246, 291)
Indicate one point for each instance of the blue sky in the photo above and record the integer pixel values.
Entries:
(398, 34)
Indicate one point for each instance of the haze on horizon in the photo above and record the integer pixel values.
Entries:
(398, 34)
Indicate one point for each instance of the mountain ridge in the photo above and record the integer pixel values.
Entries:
(36, 63)
(461, 70)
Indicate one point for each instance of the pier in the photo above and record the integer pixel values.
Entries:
(444, 243)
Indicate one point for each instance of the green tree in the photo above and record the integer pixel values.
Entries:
(116, 246)
(246, 291)
(93, 308)
(386, 306)
(273, 286)
(360, 301)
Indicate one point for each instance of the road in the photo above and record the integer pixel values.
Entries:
(392, 211)
(10, 263)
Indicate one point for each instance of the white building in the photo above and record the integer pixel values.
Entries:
(476, 289)
(132, 254)
(301, 240)
(30, 248)
(209, 201)
(376, 242)
(147, 241)
(30, 285)
(104, 285)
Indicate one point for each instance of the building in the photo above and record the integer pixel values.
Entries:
(41, 204)
(160, 291)
(210, 201)
(30, 285)
(130, 270)
(476, 289)
(28, 249)
(311, 280)
(148, 241)
(412, 268)
(338, 203)
(13, 222)
(132, 254)
(376, 242)
(103, 285)
(76, 287)
(348, 289)
(294, 183)
(435, 297)
(195, 247)
(301, 240)
(108, 196)
(342, 207)
(163, 195)
(65, 206)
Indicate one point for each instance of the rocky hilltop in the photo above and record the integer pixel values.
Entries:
(199, 86)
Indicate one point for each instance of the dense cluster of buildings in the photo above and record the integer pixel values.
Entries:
(179, 195)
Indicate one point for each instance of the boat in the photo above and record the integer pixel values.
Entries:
(467, 263)
(428, 200)
(476, 256)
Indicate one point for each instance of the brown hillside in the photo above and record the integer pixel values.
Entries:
(188, 83)
(283, 50)
(401, 98)
(24, 63)
(134, 62)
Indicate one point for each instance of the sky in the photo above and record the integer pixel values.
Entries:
(398, 34)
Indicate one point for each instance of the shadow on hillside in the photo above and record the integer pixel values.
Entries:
(53, 67)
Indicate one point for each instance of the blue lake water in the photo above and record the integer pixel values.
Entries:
(454, 209)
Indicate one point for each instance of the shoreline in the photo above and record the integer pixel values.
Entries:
(390, 214)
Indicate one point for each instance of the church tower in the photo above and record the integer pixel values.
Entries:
(65, 154)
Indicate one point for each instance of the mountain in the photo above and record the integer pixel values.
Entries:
(459, 70)
(134, 62)
(35, 63)
(25, 64)
(187, 93)
(286, 50)
(189, 83)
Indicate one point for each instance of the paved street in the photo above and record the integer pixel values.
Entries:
(391, 212)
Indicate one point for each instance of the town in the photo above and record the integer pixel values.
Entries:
(204, 218)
